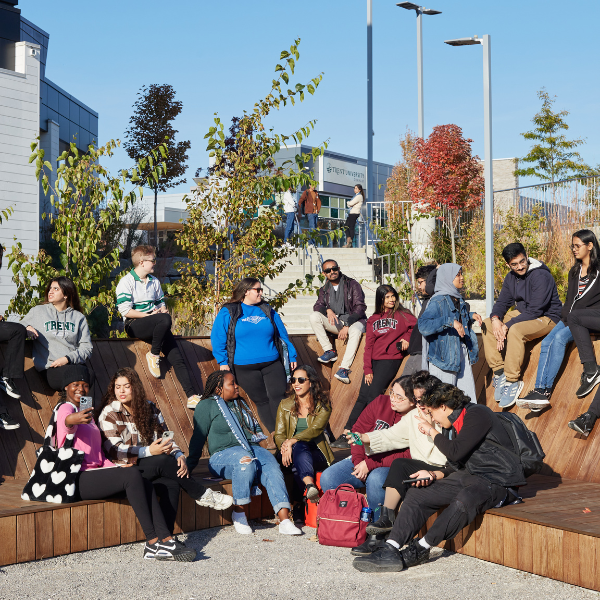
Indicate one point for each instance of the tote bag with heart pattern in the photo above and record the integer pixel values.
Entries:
(54, 478)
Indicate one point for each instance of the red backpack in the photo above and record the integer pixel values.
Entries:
(338, 517)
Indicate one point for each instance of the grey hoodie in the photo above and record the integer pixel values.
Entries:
(64, 333)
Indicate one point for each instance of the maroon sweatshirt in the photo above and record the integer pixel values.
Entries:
(382, 334)
(378, 414)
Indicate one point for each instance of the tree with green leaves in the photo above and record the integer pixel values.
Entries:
(86, 201)
(229, 233)
(150, 126)
(552, 157)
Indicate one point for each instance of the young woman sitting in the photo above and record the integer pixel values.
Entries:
(301, 420)
(228, 424)
(132, 428)
(60, 332)
(100, 478)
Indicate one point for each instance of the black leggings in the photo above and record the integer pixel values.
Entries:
(351, 225)
(265, 384)
(156, 329)
(161, 470)
(97, 484)
(401, 469)
(56, 376)
(384, 372)
(14, 356)
(581, 323)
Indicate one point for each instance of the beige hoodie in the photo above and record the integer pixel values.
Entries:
(406, 434)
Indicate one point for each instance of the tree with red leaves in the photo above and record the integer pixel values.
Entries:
(447, 178)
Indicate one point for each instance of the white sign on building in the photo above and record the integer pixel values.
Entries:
(344, 173)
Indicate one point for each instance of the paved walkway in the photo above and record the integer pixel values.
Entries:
(267, 566)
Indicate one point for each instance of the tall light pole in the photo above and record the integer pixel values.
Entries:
(485, 41)
(370, 185)
(420, 10)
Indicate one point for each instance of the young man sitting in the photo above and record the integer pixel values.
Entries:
(140, 300)
(530, 286)
(340, 309)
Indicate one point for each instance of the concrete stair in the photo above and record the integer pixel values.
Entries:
(353, 263)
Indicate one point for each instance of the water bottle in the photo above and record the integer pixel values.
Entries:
(366, 514)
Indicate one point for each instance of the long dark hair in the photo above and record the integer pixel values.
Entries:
(68, 288)
(241, 287)
(144, 418)
(587, 236)
(360, 190)
(317, 395)
(380, 294)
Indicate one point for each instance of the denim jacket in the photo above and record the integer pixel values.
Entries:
(436, 324)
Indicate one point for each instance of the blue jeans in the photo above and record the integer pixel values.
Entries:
(312, 220)
(341, 472)
(263, 470)
(289, 225)
(552, 353)
(307, 459)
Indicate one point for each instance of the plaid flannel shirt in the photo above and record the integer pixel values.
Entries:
(121, 441)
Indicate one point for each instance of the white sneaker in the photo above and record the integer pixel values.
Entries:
(215, 500)
(153, 364)
(286, 527)
(192, 401)
(240, 522)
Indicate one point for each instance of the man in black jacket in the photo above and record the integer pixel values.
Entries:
(485, 476)
(531, 288)
(340, 309)
(415, 344)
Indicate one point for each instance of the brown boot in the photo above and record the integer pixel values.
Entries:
(348, 243)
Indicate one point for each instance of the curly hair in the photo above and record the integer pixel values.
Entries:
(446, 395)
(214, 387)
(145, 420)
(317, 395)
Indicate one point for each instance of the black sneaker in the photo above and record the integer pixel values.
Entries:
(341, 442)
(369, 545)
(8, 385)
(174, 550)
(583, 423)
(385, 522)
(536, 400)
(414, 554)
(387, 559)
(7, 422)
(588, 383)
(150, 550)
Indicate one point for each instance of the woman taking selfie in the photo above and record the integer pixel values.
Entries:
(135, 433)
(299, 431)
(227, 422)
(99, 478)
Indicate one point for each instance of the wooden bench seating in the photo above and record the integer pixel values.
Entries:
(549, 534)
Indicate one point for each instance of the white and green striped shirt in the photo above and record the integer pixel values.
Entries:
(133, 294)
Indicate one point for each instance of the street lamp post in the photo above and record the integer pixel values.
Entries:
(485, 41)
(370, 190)
(420, 10)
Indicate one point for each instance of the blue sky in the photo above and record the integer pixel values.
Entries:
(220, 56)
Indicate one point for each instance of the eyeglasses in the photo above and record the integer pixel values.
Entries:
(577, 246)
(298, 379)
(520, 264)
(395, 395)
(152, 260)
(257, 290)
(334, 269)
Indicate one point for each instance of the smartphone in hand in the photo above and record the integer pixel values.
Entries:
(356, 438)
(167, 435)
(85, 402)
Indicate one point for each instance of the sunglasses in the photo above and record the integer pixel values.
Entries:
(257, 290)
(334, 269)
(298, 379)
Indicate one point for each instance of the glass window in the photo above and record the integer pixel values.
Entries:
(324, 200)
(334, 213)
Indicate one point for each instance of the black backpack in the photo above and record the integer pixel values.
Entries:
(525, 443)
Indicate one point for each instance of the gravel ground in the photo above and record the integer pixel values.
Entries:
(268, 566)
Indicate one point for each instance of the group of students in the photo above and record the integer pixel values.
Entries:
(429, 426)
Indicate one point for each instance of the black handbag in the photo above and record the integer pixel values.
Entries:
(54, 478)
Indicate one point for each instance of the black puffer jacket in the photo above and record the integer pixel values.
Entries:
(468, 445)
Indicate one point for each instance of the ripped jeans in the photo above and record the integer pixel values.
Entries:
(263, 470)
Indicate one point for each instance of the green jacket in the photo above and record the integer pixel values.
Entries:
(285, 427)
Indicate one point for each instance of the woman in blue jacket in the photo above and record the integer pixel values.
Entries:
(247, 338)
(446, 327)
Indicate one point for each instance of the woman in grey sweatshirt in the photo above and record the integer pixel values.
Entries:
(60, 332)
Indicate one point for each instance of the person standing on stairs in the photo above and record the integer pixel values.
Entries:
(311, 203)
(530, 286)
(583, 295)
(141, 302)
(339, 309)
(388, 330)
(250, 340)
(290, 208)
(355, 206)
